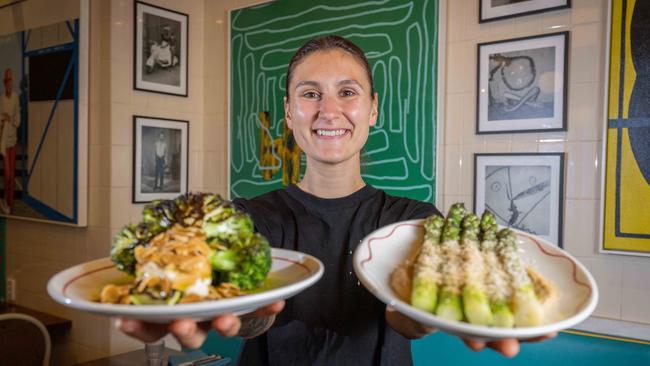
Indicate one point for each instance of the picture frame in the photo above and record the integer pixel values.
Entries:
(44, 162)
(522, 84)
(625, 173)
(160, 158)
(493, 10)
(160, 50)
(525, 191)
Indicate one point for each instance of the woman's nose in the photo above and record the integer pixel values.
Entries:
(329, 107)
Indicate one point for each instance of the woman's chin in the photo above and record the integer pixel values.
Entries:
(333, 159)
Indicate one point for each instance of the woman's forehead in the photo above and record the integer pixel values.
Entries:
(332, 63)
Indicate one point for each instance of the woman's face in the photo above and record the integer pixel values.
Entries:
(330, 109)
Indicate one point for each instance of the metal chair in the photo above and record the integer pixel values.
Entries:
(23, 340)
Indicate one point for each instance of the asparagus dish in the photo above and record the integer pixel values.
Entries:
(196, 247)
(467, 270)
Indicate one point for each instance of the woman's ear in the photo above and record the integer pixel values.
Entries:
(287, 113)
(374, 113)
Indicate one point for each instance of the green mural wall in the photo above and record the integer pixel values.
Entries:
(400, 41)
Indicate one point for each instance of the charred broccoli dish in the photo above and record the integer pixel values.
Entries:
(197, 246)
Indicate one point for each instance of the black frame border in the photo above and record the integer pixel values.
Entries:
(565, 89)
(561, 198)
(515, 15)
(135, 50)
(135, 149)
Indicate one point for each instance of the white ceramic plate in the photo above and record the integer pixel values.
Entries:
(386, 248)
(78, 287)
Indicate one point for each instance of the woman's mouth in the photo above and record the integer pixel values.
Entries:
(330, 133)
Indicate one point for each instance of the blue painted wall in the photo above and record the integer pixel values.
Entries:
(442, 349)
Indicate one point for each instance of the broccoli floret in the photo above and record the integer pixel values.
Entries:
(122, 249)
(245, 263)
(124, 243)
(160, 215)
(236, 227)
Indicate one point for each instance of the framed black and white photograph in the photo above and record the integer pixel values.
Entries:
(523, 190)
(491, 10)
(522, 84)
(160, 51)
(160, 163)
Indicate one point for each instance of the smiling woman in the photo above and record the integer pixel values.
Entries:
(330, 103)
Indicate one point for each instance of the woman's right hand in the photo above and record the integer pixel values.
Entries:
(191, 334)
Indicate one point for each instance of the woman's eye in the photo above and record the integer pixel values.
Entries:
(311, 95)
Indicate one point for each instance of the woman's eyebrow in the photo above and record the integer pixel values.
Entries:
(350, 82)
(307, 83)
(316, 84)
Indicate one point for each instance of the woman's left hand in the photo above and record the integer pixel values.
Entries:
(406, 326)
(507, 347)
(412, 329)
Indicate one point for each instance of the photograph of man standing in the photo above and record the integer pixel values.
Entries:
(161, 157)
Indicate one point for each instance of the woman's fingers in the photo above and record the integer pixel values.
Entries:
(146, 332)
(506, 347)
(270, 309)
(474, 345)
(226, 325)
(541, 338)
(189, 333)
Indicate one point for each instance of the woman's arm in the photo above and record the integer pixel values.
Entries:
(406, 326)
(253, 326)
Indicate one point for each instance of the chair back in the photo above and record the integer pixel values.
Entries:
(24, 341)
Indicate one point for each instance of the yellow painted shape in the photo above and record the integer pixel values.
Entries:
(635, 192)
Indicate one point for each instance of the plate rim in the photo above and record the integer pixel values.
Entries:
(59, 282)
(472, 330)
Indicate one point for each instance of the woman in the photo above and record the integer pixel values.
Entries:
(330, 105)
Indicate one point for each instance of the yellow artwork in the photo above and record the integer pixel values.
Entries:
(627, 165)
(281, 153)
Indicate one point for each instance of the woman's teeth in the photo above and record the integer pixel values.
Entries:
(331, 132)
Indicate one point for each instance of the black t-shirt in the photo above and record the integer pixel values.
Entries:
(336, 321)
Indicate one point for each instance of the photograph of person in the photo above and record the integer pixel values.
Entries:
(330, 105)
(160, 59)
(160, 169)
(10, 115)
(161, 50)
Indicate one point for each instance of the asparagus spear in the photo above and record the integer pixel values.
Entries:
(449, 306)
(496, 278)
(426, 276)
(475, 301)
(527, 309)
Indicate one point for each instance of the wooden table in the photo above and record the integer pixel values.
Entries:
(55, 325)
(133, 358)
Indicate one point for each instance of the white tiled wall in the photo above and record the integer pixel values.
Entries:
(624, 294)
